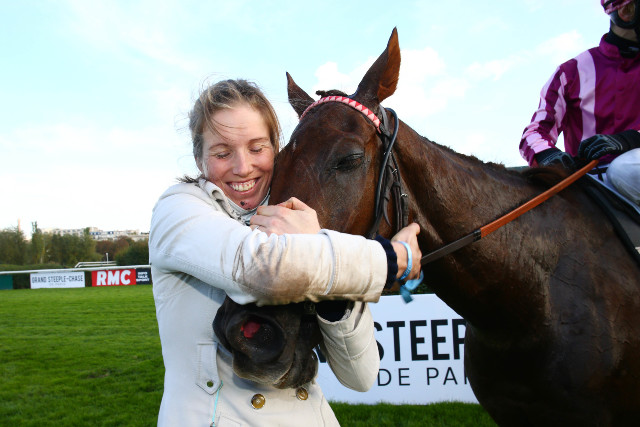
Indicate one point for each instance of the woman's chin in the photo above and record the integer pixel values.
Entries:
(247, 203)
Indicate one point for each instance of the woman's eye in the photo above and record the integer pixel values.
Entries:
(349, 162)
(221, 155)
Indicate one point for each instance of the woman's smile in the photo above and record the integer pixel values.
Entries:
(243, 187)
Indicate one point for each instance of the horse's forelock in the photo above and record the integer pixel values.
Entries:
(332, 92)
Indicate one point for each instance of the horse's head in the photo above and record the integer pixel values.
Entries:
(331, 160)
(270, 344)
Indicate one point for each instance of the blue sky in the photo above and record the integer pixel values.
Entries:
(95, 94)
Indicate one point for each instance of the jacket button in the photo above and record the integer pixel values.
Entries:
(302, 393)
(210, 383)
(258, 401)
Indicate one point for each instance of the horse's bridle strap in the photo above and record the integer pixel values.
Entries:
(347, 101)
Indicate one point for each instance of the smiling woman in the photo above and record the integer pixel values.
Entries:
(238, 155)
(203, 252)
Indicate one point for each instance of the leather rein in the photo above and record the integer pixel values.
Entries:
(390, 187)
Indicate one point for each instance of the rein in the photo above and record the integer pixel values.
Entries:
(505, 219)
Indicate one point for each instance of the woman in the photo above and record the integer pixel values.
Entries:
(202, 247)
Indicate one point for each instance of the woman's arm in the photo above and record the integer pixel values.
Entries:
(350, 347)
(191, 234)
(294, 216)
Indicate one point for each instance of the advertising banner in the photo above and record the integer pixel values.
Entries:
(422, 351)
(123, 277)
(143, 276)
(57, 280)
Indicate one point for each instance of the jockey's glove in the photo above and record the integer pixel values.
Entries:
(554, 156)
(597, 146)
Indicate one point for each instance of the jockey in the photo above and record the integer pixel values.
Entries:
(594, 100)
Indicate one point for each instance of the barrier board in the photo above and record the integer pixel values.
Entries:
(69, 279)
(422, 351)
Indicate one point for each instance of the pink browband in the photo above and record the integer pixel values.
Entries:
(351, 103)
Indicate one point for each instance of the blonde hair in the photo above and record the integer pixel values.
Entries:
(227, 94)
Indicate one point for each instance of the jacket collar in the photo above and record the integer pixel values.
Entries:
(233, 210)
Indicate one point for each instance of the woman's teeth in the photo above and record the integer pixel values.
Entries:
(243, 186)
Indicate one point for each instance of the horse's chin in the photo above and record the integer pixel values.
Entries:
(299, 373)
(292, 375)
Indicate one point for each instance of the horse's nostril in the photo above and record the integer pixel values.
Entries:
(250, 328)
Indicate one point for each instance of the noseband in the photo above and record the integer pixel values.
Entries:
(389, 185)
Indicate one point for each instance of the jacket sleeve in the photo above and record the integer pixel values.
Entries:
(546, 123)
(351, 348)
(190, 235)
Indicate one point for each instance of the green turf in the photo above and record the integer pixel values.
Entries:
(448, 414)
(91, 356)
(78, 357)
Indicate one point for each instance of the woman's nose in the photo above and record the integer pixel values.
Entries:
(242, 165)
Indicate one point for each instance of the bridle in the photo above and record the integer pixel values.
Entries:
(389, 186)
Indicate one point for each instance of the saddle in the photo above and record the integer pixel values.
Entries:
(623, 214)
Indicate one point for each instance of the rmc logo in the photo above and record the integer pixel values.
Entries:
(113, 277)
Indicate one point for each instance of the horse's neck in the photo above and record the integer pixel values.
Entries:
(452, 195)
(456, 193)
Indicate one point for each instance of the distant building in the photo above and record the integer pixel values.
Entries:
(98, 234)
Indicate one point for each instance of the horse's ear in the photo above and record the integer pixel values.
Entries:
(381, 80)
(298, 98)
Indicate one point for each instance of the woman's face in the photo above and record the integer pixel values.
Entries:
(239, 158)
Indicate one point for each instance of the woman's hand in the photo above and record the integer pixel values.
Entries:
(409, 235)
(290, 217)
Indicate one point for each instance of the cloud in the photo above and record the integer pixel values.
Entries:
(126, 30)
(424, 88)
(561, 48)
(329, 77)
(554, 51)
(493, 70)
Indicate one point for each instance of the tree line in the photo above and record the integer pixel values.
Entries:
(66, 251)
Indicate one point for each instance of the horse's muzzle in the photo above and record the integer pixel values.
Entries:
(260, 338)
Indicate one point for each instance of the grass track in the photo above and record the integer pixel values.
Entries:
(91, 356)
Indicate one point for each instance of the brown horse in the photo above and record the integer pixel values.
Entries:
(551, 300)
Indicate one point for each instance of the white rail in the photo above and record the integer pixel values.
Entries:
(58, 270)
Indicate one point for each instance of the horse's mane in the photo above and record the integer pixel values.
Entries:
(474, 160)
(545, 176)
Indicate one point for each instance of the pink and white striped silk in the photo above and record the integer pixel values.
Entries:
(347, 101)
(596, 92)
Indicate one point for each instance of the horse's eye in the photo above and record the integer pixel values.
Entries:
(349, 162)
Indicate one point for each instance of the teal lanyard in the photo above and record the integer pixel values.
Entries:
(215, 406)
